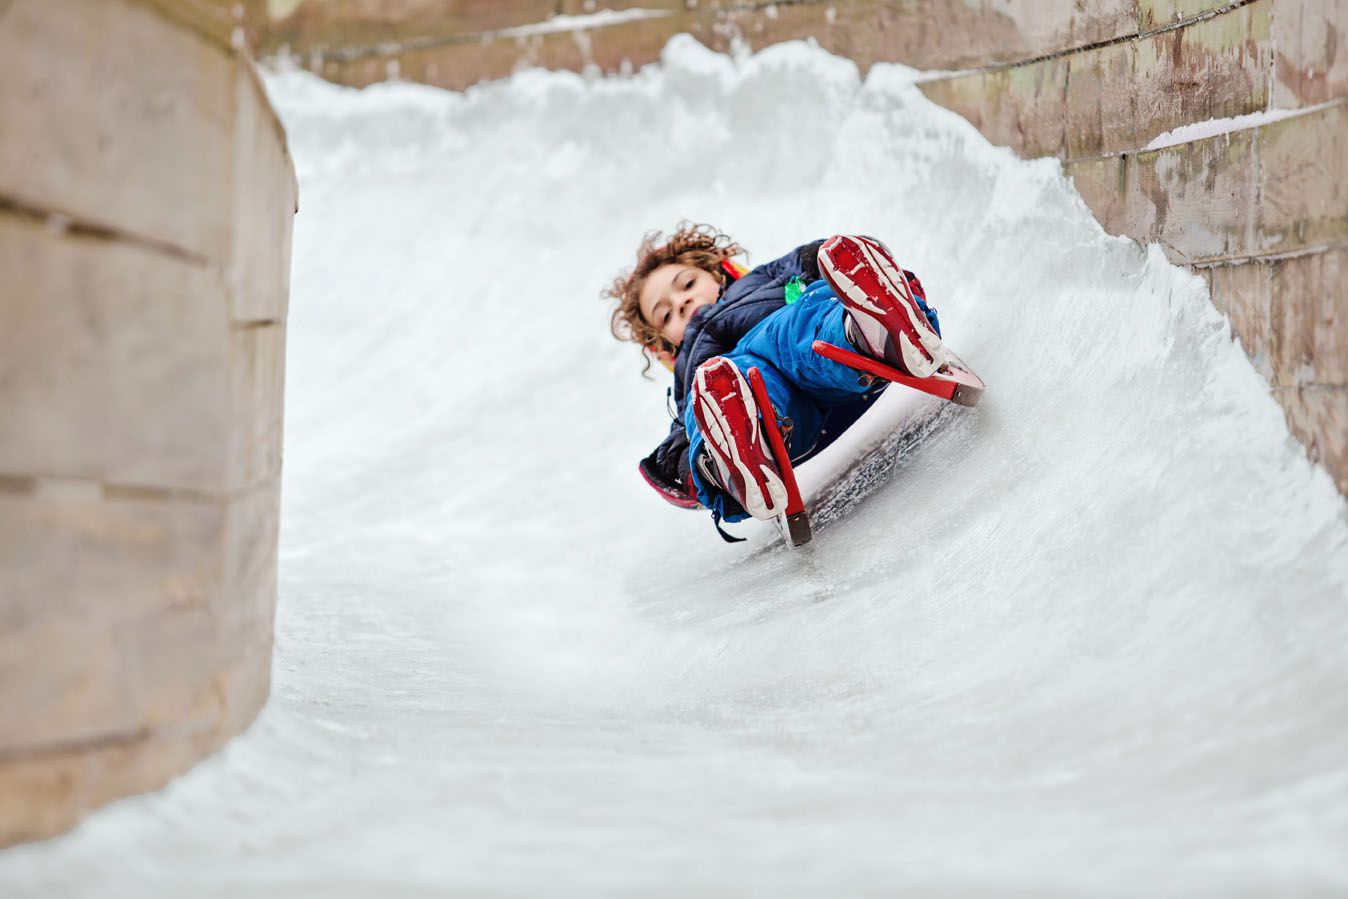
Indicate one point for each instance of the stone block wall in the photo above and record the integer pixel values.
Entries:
(146, 200)
(1257, 201)
(1257, 204)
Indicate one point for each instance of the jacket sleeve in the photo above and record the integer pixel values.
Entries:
(802, 262)
(807, 261)
(667, 472)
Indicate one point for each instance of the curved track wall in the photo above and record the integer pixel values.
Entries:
(146, 197)
(1255, 201)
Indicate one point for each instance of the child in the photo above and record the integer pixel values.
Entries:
(687, 304)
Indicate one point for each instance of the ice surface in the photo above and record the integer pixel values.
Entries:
(1087, 639)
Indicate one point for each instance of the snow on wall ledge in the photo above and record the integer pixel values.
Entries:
(1086, 638)
(1261, 211)
(146, 200)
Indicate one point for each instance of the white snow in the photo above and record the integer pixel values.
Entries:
(1214, 127)
(1086, 639)
(598, 19)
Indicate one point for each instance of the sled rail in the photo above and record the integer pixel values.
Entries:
(955, 382)
(795, 521)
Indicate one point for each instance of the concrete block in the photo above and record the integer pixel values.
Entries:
(45, 793)
(1318, 418)
(966, 95)
(1037, 118)
(256, 369)
(455, 65)
(1104, 185)
(1101, 88)
(1304, 181)
(1244, 294)
(264, 201)
(1197, 200)
(118, 364)
(1292, 317)
(1309, 318)
(122, 609)
(1212, 69)
(1311, 37)
(319, 27)
(113, 360)
(252, 537)
(1022, 106)
(108, 139)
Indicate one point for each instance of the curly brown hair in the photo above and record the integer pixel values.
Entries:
(690, 244)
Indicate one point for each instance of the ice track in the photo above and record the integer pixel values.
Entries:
(1090, 638)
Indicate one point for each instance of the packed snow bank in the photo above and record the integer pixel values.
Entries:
(1087, 638)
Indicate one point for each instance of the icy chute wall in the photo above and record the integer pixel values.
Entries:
(1084, 639)
(1217, 129)
(146, 200)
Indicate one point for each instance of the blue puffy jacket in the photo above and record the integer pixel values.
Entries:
(714, 330)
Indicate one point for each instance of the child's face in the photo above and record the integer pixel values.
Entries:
(672, 293)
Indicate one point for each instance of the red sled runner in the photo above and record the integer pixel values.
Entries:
(954, 382)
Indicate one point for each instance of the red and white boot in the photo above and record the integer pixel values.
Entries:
(889, 325)
(728, 417)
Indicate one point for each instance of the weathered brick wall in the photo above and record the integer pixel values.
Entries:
(1261, 211)
(146, 199)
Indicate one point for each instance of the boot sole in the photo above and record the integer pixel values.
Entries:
(873, 287)
(765, 494)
